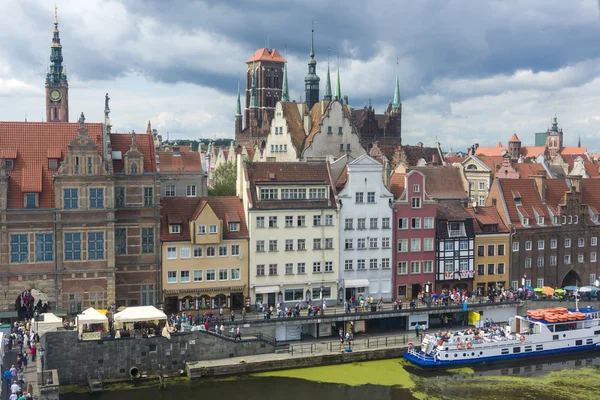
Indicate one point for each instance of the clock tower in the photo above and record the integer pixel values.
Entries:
(57, 87)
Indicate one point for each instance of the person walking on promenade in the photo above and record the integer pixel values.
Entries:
(417, 326)
(243, 314)
(238, 334)
(232, 316)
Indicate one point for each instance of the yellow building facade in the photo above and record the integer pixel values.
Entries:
(204, 253)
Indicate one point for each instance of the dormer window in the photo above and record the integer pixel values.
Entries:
(8, 164)
(595, 218)
(30, 200)
(329, 130)
(555, 220)
(525, 221)
(564, 219)
(570, 219)
(201, 229)
(576, 219)
(175, 228)
(540, 220)
(518, 201)
(234, 227)
(134, 168)
(212, 229)
(53, 163)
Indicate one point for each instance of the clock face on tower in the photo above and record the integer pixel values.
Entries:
(55, 95)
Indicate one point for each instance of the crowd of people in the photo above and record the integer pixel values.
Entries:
(25, 342)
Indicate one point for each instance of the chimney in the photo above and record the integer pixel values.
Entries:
(576, 183)
(540, 182)
(476, 146)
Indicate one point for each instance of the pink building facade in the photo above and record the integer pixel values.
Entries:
(414, 236)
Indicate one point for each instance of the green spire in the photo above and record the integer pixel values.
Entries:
(328, 85)
(56, 72)
(284, 90)
(253, 89)
(338, 87)
(238, 112)
(311, 81)
(397, 103)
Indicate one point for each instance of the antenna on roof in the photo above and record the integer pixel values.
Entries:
(25, 117)
(268, 42)
(285, 48)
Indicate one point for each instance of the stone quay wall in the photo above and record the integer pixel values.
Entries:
(113, 359)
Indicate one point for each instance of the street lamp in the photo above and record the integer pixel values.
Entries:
(197, 309)
(322, 300)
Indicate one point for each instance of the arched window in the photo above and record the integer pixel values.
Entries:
(473, 167)
(134, 168)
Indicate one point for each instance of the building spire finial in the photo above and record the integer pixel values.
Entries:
(397, 101)
(312, 39)
(284, 88)
(238, 111)
(253, 103)
(338, 86)
(328, 81)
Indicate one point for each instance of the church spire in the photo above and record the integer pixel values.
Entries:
(284, 89)
(253, 89)
(338, 86)
(311, 81)
(397, 102)
(238, 111)
(328, 84)
(579, 142)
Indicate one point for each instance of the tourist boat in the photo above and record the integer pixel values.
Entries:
(539, 333)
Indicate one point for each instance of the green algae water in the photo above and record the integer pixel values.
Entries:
(554, 379)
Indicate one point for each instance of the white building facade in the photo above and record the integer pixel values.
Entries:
(366, 235)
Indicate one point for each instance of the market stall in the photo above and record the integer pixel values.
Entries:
(46, 322)
(92, 325)
(142, 321)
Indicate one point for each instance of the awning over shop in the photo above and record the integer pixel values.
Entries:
(8, 314)
(354, 283)
(266, 289)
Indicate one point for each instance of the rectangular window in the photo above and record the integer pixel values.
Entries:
(568, 259)
(289, 221)
(147, 295)
(260, 245)
(71, 198)
(184, 276)
(72, 246)
(528, 245)
(272, 245)
(594, 241)
(328, 266)
(480, 251)
(402, 268)
(415, 202)
(385, 263)
(223, 250)
(370, 197)
(448, 245)
(415, 244)
(592, 281)
(515, 246)
(213, 229)
(273, 221)
(30, 200)
(348, 265)
(171, 276)
(340, 130)
(317, 244)
(329, 243)
(553, 261)
(385, 242)
(361, 243)
(234, 227)
(402, 245)
(44, 247)
(89, 165)
(119, 197)
(463, 245)
(301, 244)
(316, 220)
(580, 258)
(481, 200)
(190, 190)
(491, 269)
(211, 251)
(372, 243)
(540, 261)
(260, 270)
(175, 228)
(201, 229)
(289, 268)
(349, 223)
(402, 223)
(19, 248)
(593, 256)
(500, 249)
(500, 268)
(427, 267)
(317, 193)
(362, 223)
(449, 266)
(293, 194)
(260, 222)
(147, 240)
(415, 267)
(148, 197)
(360, 264)
(96, 198)
(348, 244)
(463, 264)
(514, 285)
(171, 253)
(289, 244)
(567, 243)
(481, 269)
(268, 194)
(428, 223)
(198, 275)
(358, 196)
(373, 263)
(373, 223)
(301, 220)
(428, 244)
(540, 282)
(185, 252)
(415, 223)
(491, 250)
(223, 274)
(580, 242)
(272, 269)
(170, 191)
(197, 251)
(528, 262)
(120, 241)
(211, 275)
(553, 243)
(302, 268)
(385, 223)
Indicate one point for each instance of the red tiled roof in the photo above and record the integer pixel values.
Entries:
(30, 143)
(487, 216)
(513, 139)
(573, 150)
(185, 163)
(295, 125)
(489, 151)
(179, 210)
(532, 151)
(397, 182)
(8, 153)
(54, 153)
(443, 182)
(526, 170)
(145, 144)
(266, 55)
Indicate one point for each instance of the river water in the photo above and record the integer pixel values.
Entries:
(548, 379)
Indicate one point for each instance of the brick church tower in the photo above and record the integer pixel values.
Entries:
(57, 87)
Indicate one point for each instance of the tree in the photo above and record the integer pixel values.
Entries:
(224, 179)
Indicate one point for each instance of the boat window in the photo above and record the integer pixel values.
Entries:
(589, 341)
(505, 351)
(539, 347)
(596, 332)
(554, 337)
(527, 348)
(578, 342)
(516, 349)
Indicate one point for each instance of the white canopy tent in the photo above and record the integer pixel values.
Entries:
(1, 348)
(91, 316)
(47, 322)
(140, 314)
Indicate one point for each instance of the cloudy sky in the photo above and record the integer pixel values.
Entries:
(470, 70)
